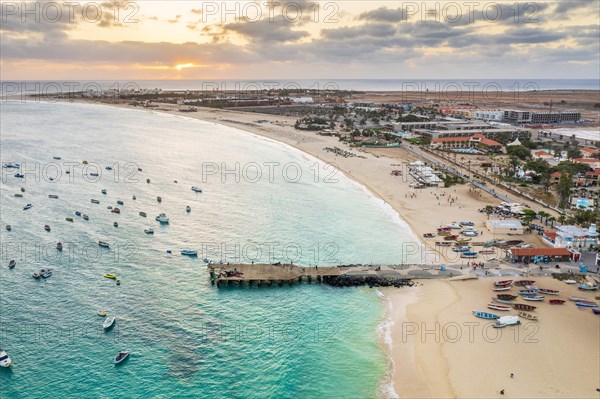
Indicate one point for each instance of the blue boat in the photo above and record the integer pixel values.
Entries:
(587, 304)
(588, 287)
(469, 254)
(528, 292)
(485, 315)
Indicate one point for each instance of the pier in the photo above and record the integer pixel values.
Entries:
(340, 276)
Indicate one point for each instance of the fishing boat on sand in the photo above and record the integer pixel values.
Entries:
(528, 292)
(576, 299)
(507, 297)
(504, 288)
(507, 321)
(533, 297)
(556, 301)
(523, 283)
(524, 306)
(498, 307)
(528, 316)
(460, 249)
(503, 283)
(485, 315)
(587, 304)
(468, 255)
(429, 235)
(451, 237)
(497, 300)
(549, 292)
(596, 311)
(570, 281)
(584, 287)
(443, 244)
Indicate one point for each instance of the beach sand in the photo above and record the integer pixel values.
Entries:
(453, 354)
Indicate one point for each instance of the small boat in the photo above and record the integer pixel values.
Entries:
(109, 207)
(196, 189)
(19, 175)
(453, 225)
(149, 230)
(587, 304)
(116, 210)
(120, 203)
(84, 162)
(37, 275)
(528, 292)
(470, 233)
(498, 307)
(54, 196)
(462, 239)
(11, 165)
(570, 281)
(69, 219)
(524, 306)
(102, 313)
(460, 249)
(576, 299)
(95, 201)
(507, 321)
(148, 181)
(585, 287)
(503, 283)
(103, 191)
(19, 195)
(143, 214)
(443, 244)
(487, 251)
(162, 218)
(497, 300)
(108, 168)
(47, 228)
(189, 252)
(133, 198)
(120, 358)
(468, 255)
(188, 209)
(466, 223)
(59, 246)
(116, 224)
(556, 301)
(22, 189)
(159, 199)
(451, 237)
(77, 213)
(45, 273)
(109, 322)
(118, 282)
(68, 171)
(57, 158)
(528, 316)
(443, 229)
(429, 235)
(505, 288)
(485, 315)
(85, 217)
(596, 311)
(103, 244)
(5, 360)
(94, 174)
(507, 297)
(523, 283)
(12, 263)
(549, 292)
(28, 206)
(111, 276)
(8, 227)
(533, 297)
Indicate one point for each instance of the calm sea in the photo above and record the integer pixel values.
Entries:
(261, 201)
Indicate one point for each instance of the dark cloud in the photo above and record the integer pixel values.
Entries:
(383, 14)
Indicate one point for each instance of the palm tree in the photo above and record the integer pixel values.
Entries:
(543, 215)
(551, 219)
(562, 219)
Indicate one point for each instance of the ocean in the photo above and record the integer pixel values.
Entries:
(262, 201)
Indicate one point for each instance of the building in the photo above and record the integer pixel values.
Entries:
(555, 177)
(424, 175)
(521, 116)
(588, 152)
(478, 141)
(541, 154)
(592, 162)
(506, 226)
(489, 115)
(492, 133)
(530, 254)
(574, 237)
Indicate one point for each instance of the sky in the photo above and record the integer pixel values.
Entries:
(302, 39)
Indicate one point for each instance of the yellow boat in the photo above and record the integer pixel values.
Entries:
(463, 239)
(102, 313)
(85, 162)
(110, 275)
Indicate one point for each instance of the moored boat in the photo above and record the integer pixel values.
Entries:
(188, 209)
(45, 273)
(28, 206)
(196, 189)
(8, 227)
(53, 196)
(115, 210)
(95, 201)
(5, 360)
(102, 313)
(85, 217)
(120, 203)
(162, 218)
(120, 358)
(524, 306)
(116, 224)
(103, 244)
(69, 219)
(59, 246)
(77, 213)
(159, 199)
(111, 276)
(143, 214)
(556, 301)
(12, 263)
(149, 230)
(485, 315)
(189, 252)
(109, 322)
(528, 316)
(103, 191)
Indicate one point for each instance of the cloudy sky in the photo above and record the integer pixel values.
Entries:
(299, 40)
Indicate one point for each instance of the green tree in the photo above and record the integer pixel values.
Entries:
(519, 151)
(573, 153)
(564, 190)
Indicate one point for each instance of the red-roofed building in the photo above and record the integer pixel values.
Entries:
(541, 155)
(588, 152)
(556, 254)
(477, 140)
(592, 177)
(555, 177)
(592, 162)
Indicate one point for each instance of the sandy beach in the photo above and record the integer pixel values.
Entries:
(440, 350)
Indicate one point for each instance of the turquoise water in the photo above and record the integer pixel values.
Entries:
(186, 338)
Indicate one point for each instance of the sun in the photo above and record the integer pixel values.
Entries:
(179, 67)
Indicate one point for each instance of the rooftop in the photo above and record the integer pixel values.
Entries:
(505, 224)
(540, 252)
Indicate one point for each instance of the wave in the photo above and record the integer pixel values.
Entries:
(384, 332)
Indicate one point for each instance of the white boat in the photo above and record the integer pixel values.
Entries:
(149, 230)
(85, 217)
(196, 189)
(121, 357)
(570, 281)
(454, 225)
(11, 165)
(5, 360)
(470, 233)
(108, 322)
(103, 244)
(28, 206)
(189, 252)
(162, 218)
(507, 321)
